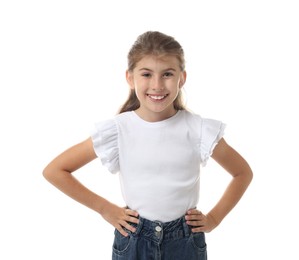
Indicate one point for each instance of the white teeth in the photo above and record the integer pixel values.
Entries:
(157, 97)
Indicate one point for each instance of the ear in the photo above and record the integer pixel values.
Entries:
(130, 79)
(183, 78)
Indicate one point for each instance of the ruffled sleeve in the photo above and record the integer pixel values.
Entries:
(105, 142)
(212, 132)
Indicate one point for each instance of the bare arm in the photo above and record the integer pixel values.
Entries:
(241, 174)
(59, 173)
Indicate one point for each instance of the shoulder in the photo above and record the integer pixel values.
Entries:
(112, 122)
(190, 116)
(193, 120)
(123, 117)
(207, 129)
(200, 121)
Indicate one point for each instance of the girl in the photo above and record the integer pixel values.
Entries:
(157, 146)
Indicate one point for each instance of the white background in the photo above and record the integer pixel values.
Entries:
(62, 67)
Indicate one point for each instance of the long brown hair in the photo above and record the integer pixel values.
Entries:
(153, 43)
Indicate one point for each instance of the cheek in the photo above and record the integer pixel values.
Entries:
(139, 92)
(177, 85)
(140, 87)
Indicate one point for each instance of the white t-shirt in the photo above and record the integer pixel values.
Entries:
(158, 162)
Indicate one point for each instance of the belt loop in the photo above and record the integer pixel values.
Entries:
(187, 230)
(139, 226)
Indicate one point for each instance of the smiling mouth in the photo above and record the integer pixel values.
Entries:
(157, 97)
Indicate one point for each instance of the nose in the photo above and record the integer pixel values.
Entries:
(157, 84)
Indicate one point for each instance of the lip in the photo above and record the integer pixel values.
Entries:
(157, 97)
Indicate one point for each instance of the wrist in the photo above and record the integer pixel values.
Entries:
(213, 219)
(101, 206)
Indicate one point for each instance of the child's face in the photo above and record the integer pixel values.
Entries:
(157, 81)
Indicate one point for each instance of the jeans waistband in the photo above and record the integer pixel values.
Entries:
(158, 231)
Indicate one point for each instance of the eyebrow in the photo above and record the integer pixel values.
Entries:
(152, 70)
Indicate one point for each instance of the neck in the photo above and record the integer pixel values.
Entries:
(152, 116)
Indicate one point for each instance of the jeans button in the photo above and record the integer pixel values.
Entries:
(158, 228)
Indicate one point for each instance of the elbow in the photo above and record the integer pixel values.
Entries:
(246, 175)
(47, 173)
(249, 175)
(50, 172)
(53, 174)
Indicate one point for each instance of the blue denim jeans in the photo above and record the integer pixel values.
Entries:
(154, 240)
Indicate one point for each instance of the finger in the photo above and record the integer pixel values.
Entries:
(132, 219)
(195, 217)
(196, 223)
(127, 226)
(132, 213)
(122, 231)
(131, 216)
(194, 212)
(198, 229)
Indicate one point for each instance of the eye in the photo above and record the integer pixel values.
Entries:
(146, 75)
(167, 74)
